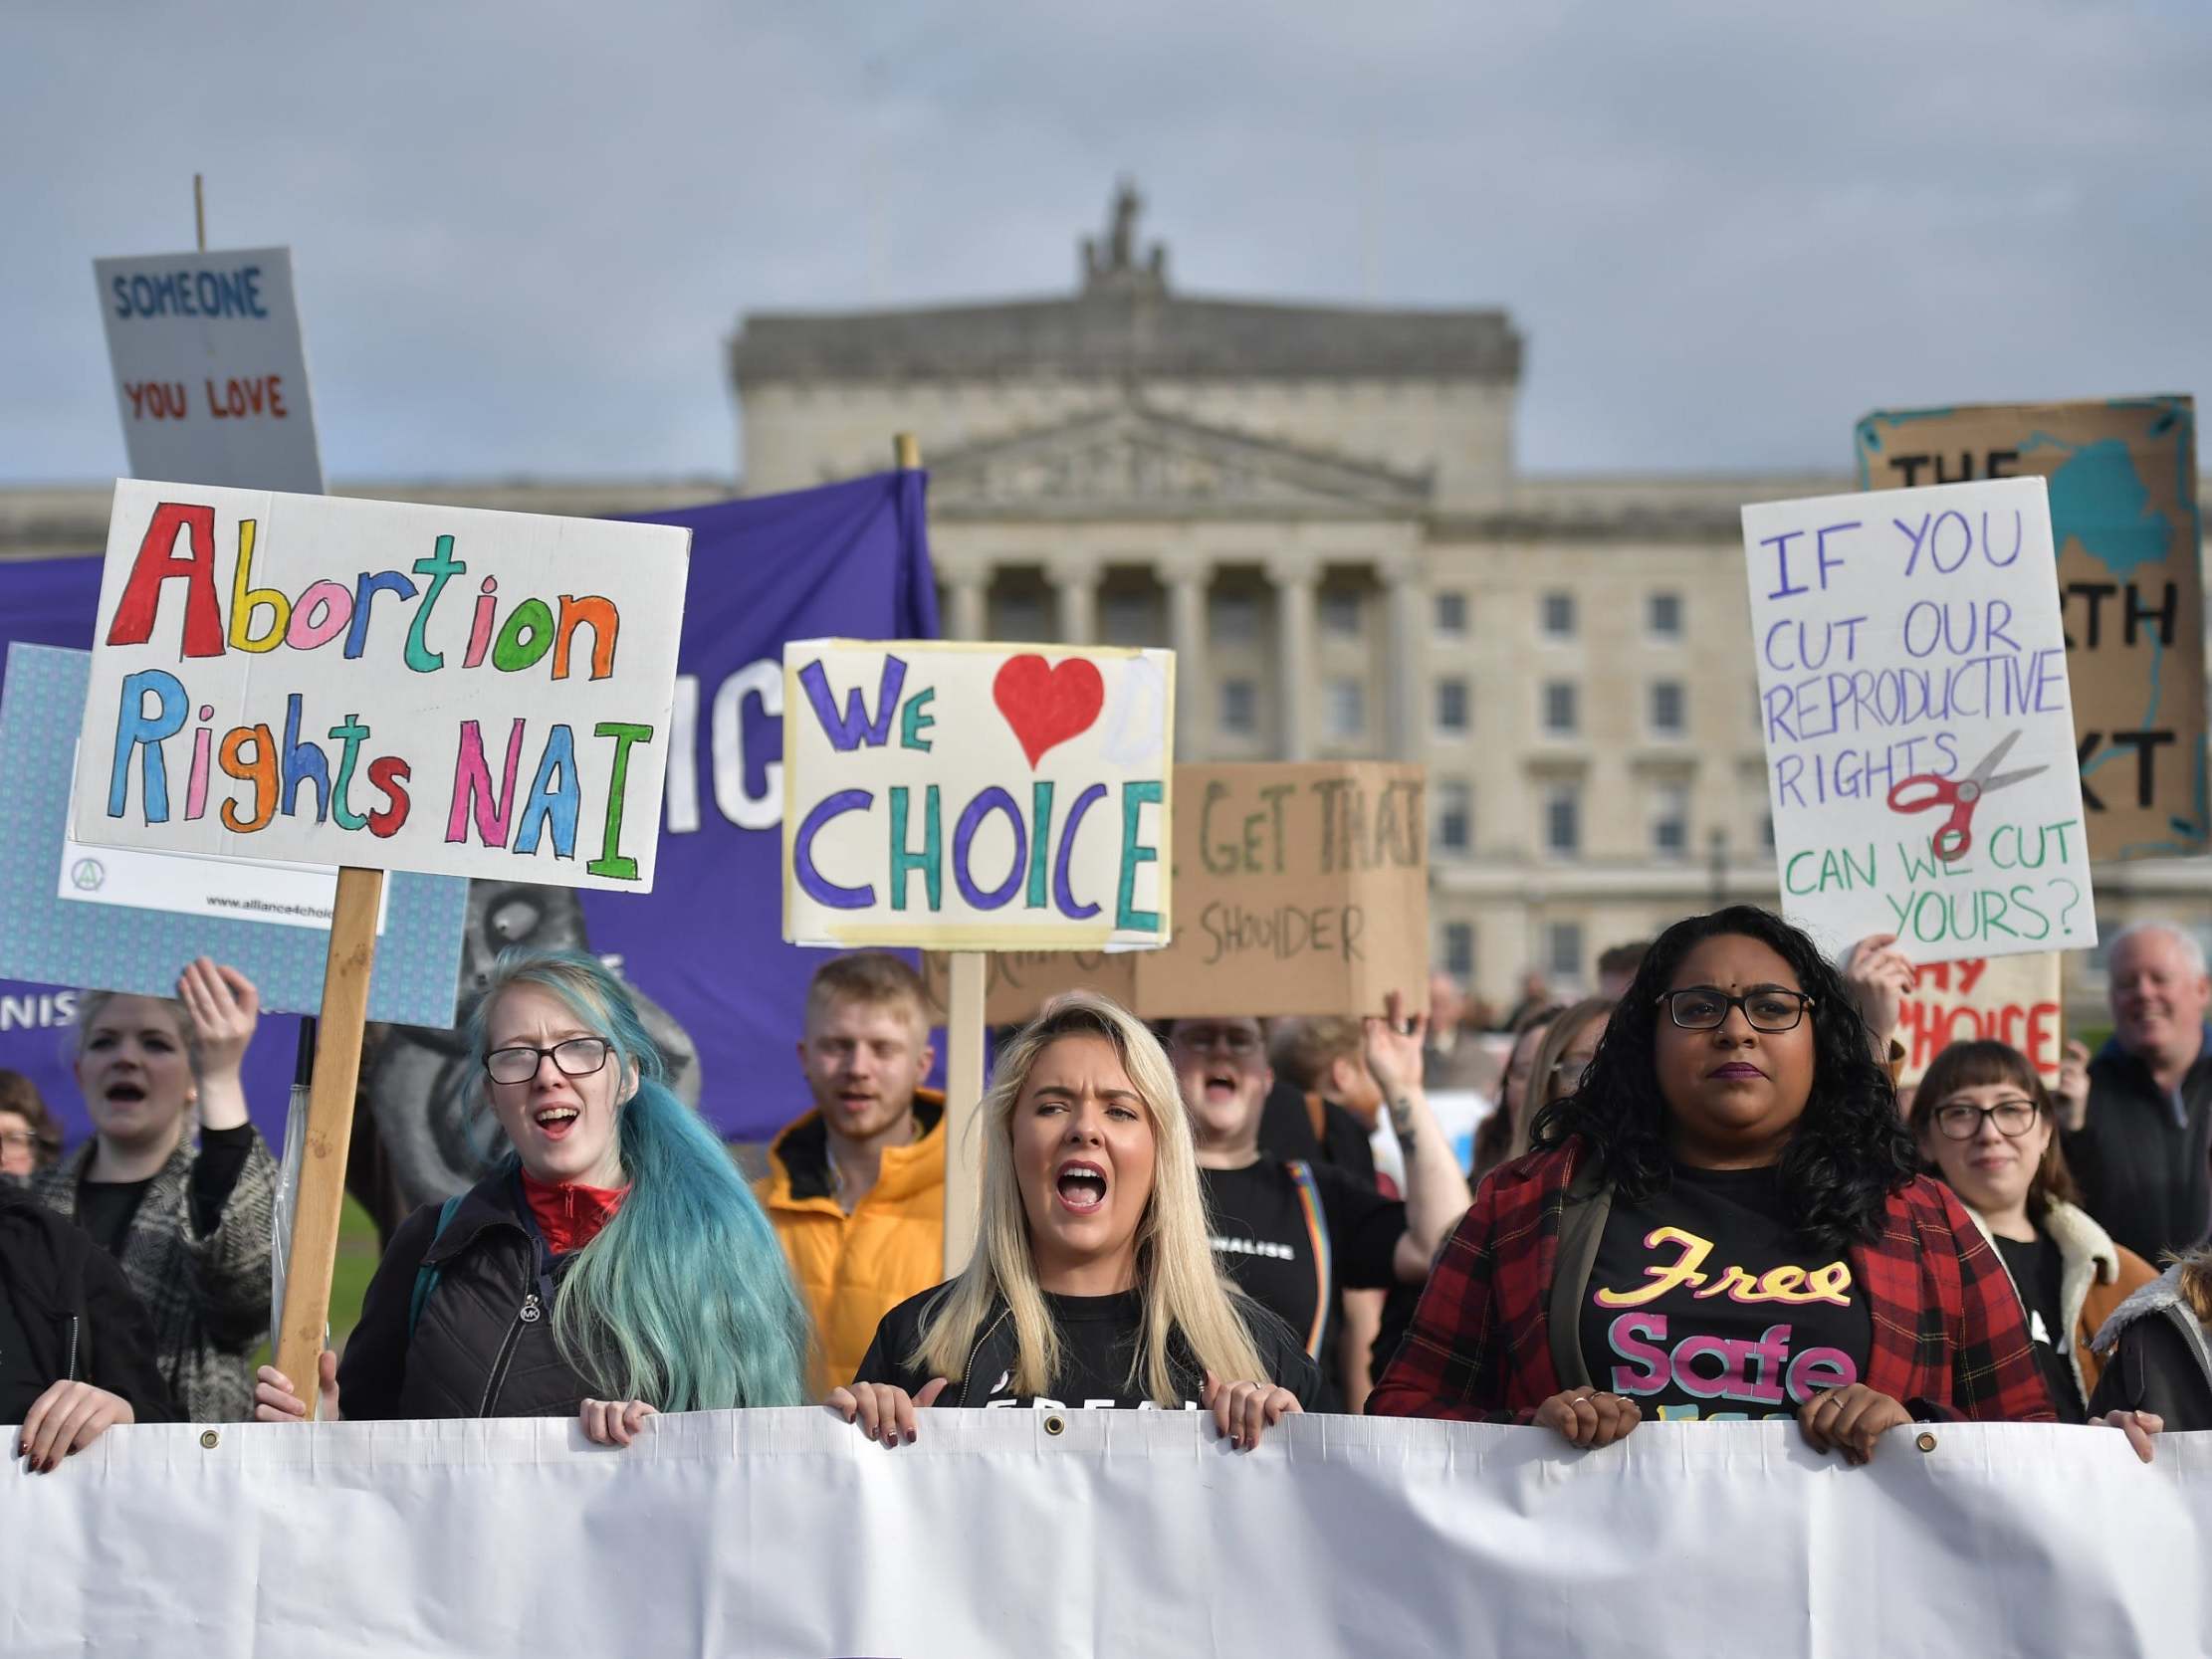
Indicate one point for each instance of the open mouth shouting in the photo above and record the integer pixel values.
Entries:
(1220, 1085)
(1081, 1187)
(555, 1122)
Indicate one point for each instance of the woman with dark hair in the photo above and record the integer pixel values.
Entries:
(30, 1135)
(1984, 1121)
(1516, 1085)
(614, 1265)
(1724, 1221)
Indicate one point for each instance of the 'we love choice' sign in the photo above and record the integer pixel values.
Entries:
(976, 797)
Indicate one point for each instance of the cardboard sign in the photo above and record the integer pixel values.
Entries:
(1300, 889)
(2123, 478)
(130, 921)
(2006, 999)
(976, 797)
(1017, 984)
(210, 375)
(1919, 736)
(381, 685)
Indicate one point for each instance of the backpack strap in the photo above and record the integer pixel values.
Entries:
(1317, 1234)
(426, 1276)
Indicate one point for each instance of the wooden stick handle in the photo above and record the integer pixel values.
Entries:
(963, 1089)
(330, 1126)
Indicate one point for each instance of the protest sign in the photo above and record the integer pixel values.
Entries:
(2122, 480)
(210, 375)
(240, 629)
(1017, 984)
(1919, 738)
(61, 925)
(1362, 1537)
(2005, 999)
(1299, 889)
(976, 797)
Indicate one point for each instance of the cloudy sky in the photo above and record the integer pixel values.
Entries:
(523, 231)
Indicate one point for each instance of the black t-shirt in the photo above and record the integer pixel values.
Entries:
(105, 1210)
(2036, 1270)
(1703, 1305)
(1099, 1337)
(1292, 1262)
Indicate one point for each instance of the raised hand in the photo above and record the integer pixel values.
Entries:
(1392, 1045)
(2069, 1096)
(1877, 975)
(885, 1413)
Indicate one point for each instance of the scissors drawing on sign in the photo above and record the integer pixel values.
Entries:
(1924, 791)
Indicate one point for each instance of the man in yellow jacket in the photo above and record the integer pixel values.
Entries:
(856, 1187)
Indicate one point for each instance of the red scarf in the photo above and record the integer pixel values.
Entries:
(571, 1214)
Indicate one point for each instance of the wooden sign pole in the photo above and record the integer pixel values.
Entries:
(330, 1127)
(964, 1053)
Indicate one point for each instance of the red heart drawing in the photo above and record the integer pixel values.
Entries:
(1048, 706)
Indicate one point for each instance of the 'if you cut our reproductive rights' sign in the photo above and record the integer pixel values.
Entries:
(1918, 726)
(976, 797)
(380, 683)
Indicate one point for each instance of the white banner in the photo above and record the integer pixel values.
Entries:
(1918, 724)
(210, 375)
(784, 1534)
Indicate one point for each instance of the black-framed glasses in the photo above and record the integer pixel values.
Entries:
(1706, 1007)
(576, 1057)
(1962, 1119)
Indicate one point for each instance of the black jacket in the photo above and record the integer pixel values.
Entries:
(2161, 1358)
(73, 1315)
(1287, 1363)
(484, 1345)
(2147, 1178)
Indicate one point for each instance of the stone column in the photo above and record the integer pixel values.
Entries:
(1294, 581)
(1075, 592)
(968, 588)
(1406, 611)
(1186, 581)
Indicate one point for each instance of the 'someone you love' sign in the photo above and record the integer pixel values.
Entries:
(976, 797)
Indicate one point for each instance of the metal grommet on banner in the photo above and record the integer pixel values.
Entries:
(211, 1440)
(1927, 1442)
(1055, 1424)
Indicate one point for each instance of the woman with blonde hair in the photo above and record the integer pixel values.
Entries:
(1093, 1283)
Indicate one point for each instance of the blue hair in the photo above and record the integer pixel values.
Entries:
(688, 1280)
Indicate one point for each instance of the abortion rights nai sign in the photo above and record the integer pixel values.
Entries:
(1919, 735)
(379, 683)
(211, 377)
(976, 797)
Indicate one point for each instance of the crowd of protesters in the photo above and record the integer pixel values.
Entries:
(1698, 1194)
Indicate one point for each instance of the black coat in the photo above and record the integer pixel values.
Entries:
(2159, 1358)
(484, 1345)
(79, 1319)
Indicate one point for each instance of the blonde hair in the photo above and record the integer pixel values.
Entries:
(1184, 1294)
(1544, 1083)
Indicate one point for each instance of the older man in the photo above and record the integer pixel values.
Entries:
(2138, 1119)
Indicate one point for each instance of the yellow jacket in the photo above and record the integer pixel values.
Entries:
(854, 1268)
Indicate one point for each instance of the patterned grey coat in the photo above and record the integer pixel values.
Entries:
(208, 1294)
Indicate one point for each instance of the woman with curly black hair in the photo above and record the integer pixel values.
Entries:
(1722, 1222)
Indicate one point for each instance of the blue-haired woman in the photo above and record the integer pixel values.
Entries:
(614, 1266)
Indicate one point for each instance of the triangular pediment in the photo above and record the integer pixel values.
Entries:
(1133, 461)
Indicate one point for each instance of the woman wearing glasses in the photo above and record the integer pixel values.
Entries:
(615, 1264)
(1722, 1222)
(1984, 1121)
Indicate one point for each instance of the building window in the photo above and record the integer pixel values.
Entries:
(1458, 951)
(1451, 614)
(1347, 705)
(1020, 618)
(1563, 950)
(1663, 615)
(1559, 708)
(1339, 612)
(1668, 719)
(1556, 615)
(1239, 707)
(1563, 821)
(1452, 708)
(1670, 821)
(1126, 619)
(1236, 618)
(1455, 818)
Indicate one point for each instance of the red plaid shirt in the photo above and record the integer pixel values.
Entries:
(1949, 1337)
